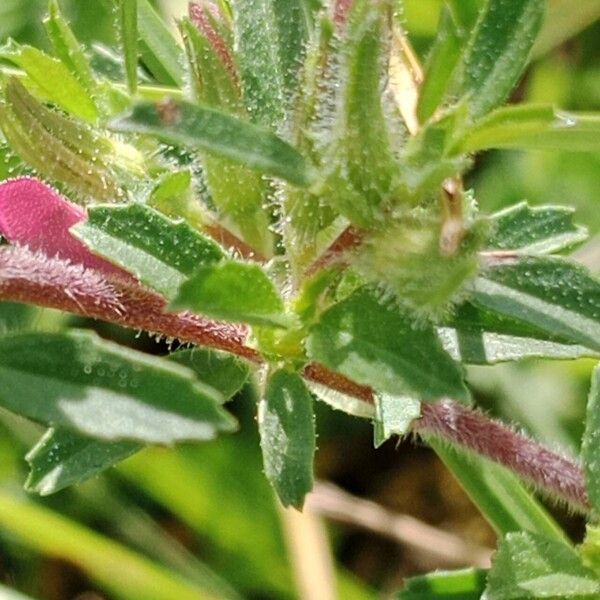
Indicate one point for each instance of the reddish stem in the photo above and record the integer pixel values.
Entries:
(32, 277)
(348, 240)
(551, 473)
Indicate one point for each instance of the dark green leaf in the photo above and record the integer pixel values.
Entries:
(160, 252)
(535, 230)
(67, 48)
(498, 51)
(441, 63)
(287, 436)
(467, 584)
(548, 293)
(78, 381)
(528, 565)
(591, 442)
(219, 370)
(383, 347)
(52, 79)
(200, 128)
(393, 416)
(129, 39)
(498, 494)
(160, 51)
(233, 291)
(63, 458)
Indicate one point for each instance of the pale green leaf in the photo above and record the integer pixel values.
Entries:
(590, 451)
(466, 584)
(440, 66)
(529, 565)
(287, 436)
(206, 129)
(52, 79)
(129, 40)
(159, 50)
(160, 252)
(233, 291)
(67, 48)
(381, 346)
(393, 416)
(533, 127)
(78, 381)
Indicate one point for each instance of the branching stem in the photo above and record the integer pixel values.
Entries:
(31, 277)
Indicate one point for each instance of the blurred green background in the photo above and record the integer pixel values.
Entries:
(201, 521)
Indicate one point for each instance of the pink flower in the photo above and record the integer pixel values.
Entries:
(35, 215)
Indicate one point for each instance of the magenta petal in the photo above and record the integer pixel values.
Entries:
(35, 215)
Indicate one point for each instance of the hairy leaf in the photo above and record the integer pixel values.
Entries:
(548, 293)
(287, 434)
(384, 348)
(590, 451)
(528, 565)
(160, 252)
(535, 230)
(233, 291)
(52, 79)
(200, 128)
(498, 51)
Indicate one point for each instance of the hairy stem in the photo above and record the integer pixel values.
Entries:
(34, 278)
(554, 475)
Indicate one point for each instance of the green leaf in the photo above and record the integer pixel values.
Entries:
(535, 230)
(498, 51)
(498, 494)
(527, 565)
(590, 549)
(128, 234)
(465, 12)
(270, 38)
(359, 165)
(590, 450)
(67, 48)
(78, 381)
(220, 370)
(129, 39)
(159, 50)
(233, 291)
(548, 293)
(200, 128)
(440, 66)
(56, 145)
(62, 458)
(482, 337)
(393, 416)
(52, 79)
(287, 436)
(533, 127)
(384, 348)
(466, 584)
(340, 401)
(212, 81)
